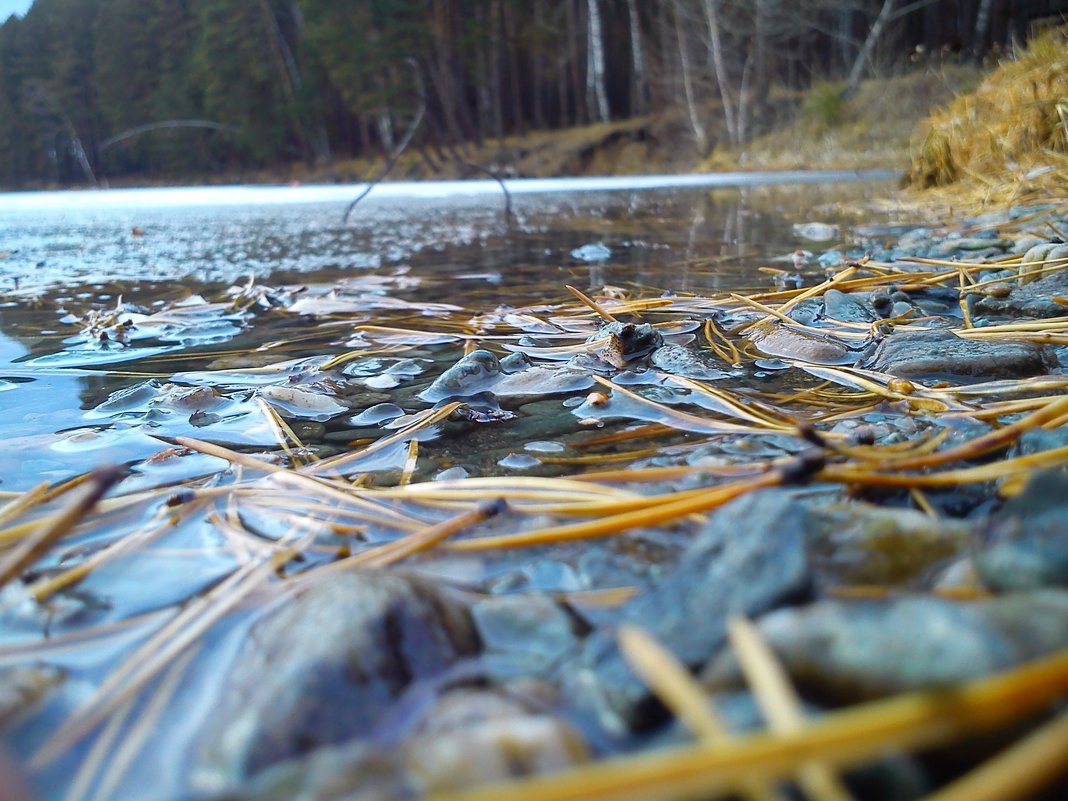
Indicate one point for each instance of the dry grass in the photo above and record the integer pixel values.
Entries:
(871, 129)
(1006, 142)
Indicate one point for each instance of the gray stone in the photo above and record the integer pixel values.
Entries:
(840, 306)
(476, 372)
(969, 245)
(807, 311)
(522, 632)
(23, 687)
(851, 651)
(914, 242)
(542, 380)
(1026, 242)
(788, 342)
(861, 544)
(514, 362)
(1025, 544)
(688, 363)
(1034, 299)
(325, 666)
(942, 354)
(749, 558)
(474, 737)
(626, 342)
(466, 738)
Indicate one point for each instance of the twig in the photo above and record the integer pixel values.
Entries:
(402, 145)
(29, 549)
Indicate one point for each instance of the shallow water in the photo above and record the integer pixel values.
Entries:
(426, 257)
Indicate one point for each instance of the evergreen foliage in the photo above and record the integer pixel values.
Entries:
(92, 90)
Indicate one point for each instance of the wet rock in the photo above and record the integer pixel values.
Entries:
(970, 245)
(522, 632)
(360, 771)
(1040, 439)
(749, 558)
(23, 687)
(476, 372)
(1026, 242)
(816, 231)
(514, 362)
(840, 306)
(1034, 259)
(1034, 299)
(325, 666)
(915, 242)
(788, 342)
(807, 311)
(942, 354)
(377, 414)
(542, 380)
(302, 403)
(881, 302)
(851, 651)
(592, 252)
(862, 544)
(626, 342)
(467, 738)
(473, 737)
(1025, 544)
(677, 360)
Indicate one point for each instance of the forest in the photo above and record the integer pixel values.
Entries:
(144, 90)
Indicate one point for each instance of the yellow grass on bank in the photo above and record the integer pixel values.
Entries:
(1006, 142)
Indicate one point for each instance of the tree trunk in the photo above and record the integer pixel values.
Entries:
(577, 94)
(700, 138)
(511, 43)
(595, 77)
(715, 46)
(495, 69)
(538, 64)
(442, 76)
(876, 31)
(639, 81)
(982, 26)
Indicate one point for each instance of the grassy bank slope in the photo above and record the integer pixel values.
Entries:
(873, 128)
(1006, 142)
(818, 128)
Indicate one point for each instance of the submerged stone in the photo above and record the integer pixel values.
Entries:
(847, 308)
(776, 339)
(749, 558)
(943, 354)
(688, 363)
(1025, 544)
(852, 651)
(325, 668)
(542, 380)
(476, 372)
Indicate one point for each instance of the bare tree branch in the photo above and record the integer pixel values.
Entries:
(402, 145)
(130, 133)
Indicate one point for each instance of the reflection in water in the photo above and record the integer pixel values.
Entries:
(207, 235)
(677, 241)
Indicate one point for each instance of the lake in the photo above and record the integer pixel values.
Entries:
(253, 319)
